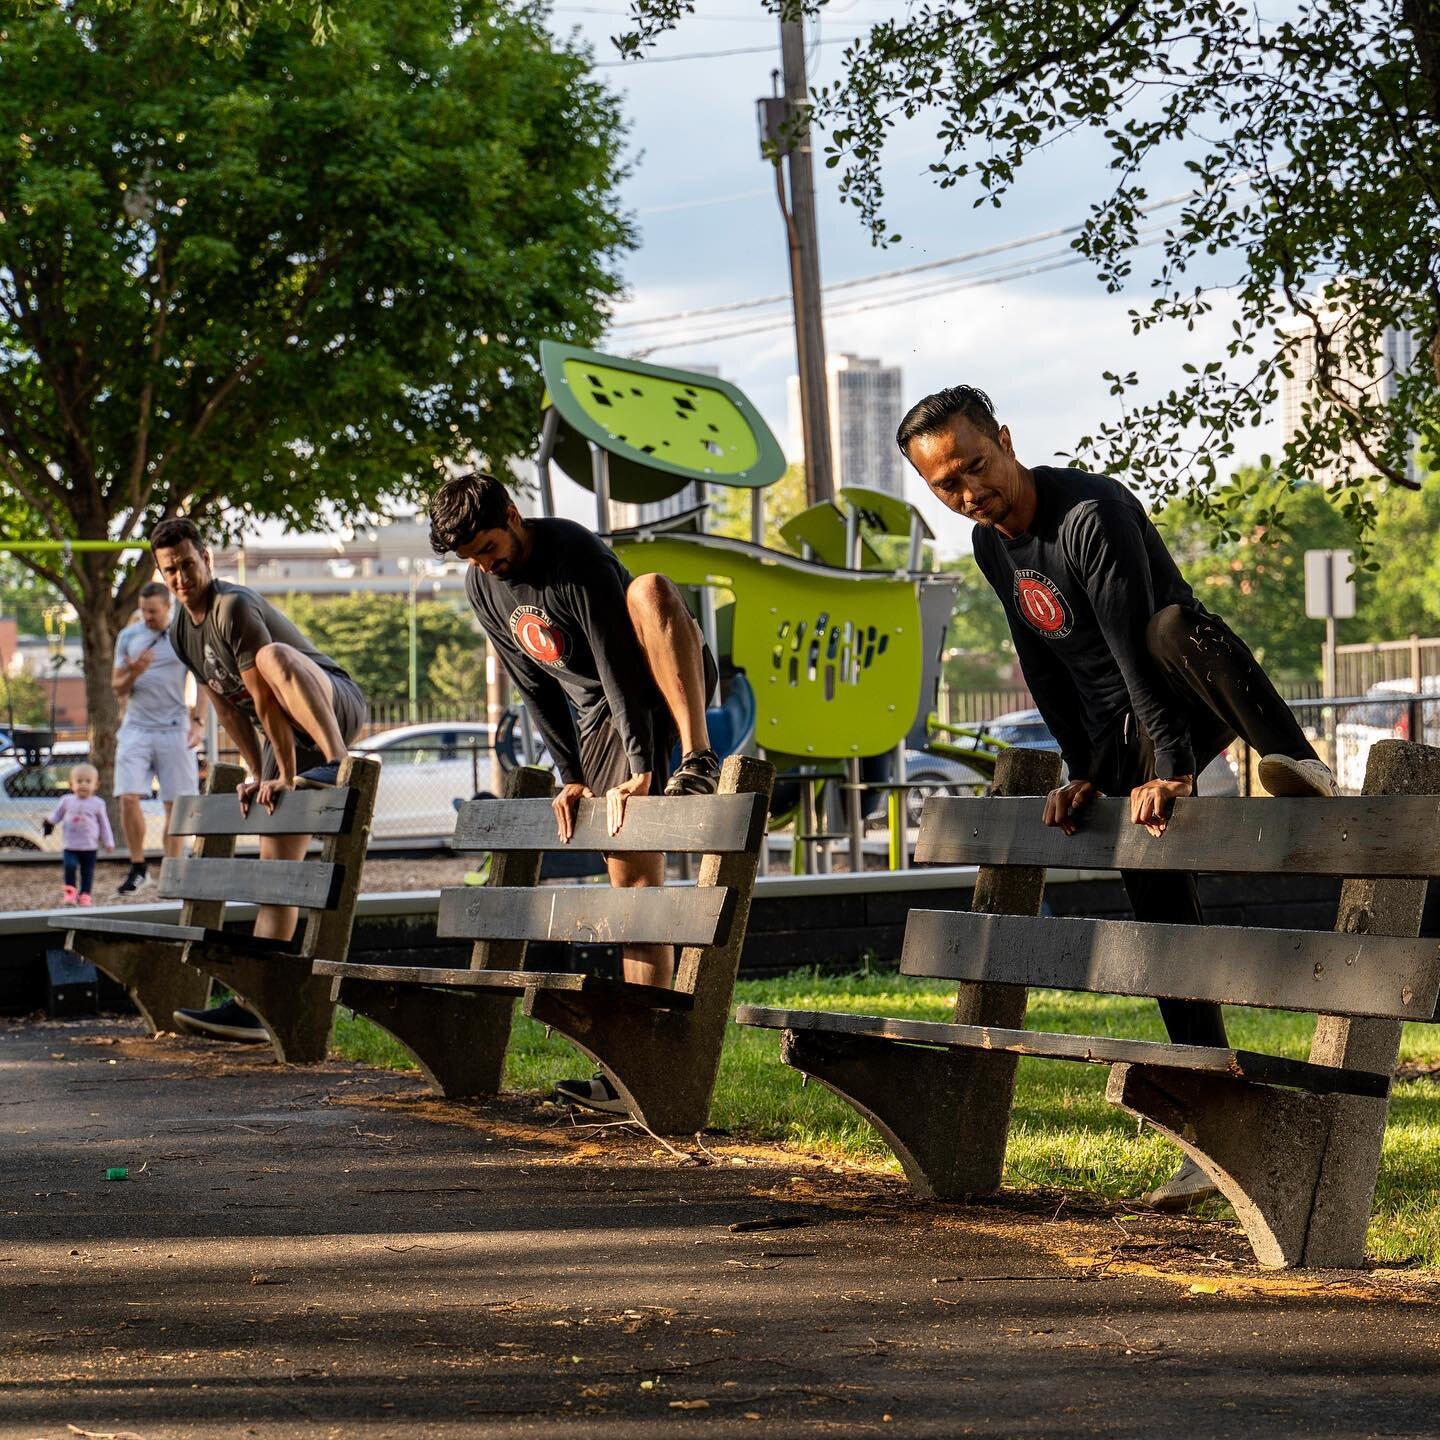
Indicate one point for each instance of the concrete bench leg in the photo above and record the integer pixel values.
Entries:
(457, 1040)
(294, 1005)
(152, 973)
(1265, 1148)
(661, 1061)
(926, 1103)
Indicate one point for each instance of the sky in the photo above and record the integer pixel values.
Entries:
(710, 233)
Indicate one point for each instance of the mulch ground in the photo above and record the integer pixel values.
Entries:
(330, 1251)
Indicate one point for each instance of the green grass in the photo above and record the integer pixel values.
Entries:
(1063, 1134)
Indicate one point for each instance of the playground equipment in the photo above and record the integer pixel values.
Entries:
(839, 645)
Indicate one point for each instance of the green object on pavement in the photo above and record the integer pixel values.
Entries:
(117, 1172)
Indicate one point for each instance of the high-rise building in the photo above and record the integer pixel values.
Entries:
(1399, 351)
(866, 405)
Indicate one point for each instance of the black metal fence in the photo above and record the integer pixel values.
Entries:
(424, 774)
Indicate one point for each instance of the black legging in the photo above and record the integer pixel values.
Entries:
(1226, 693)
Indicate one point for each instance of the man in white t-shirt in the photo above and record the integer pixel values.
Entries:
(160, 734)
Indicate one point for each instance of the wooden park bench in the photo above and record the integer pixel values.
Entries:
(169, 967)
(1293, 1145)
(660, 1047)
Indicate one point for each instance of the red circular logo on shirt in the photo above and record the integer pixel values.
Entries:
(1039, 600)
(538, 636)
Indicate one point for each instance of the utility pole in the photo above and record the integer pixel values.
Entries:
(797, 206)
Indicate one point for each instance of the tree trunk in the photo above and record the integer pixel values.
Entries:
(99, 626)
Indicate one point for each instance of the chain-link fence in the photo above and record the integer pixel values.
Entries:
(448, 754)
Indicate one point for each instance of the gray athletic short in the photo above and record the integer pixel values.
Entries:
(143, 756)
(603, 761)
(351, 713)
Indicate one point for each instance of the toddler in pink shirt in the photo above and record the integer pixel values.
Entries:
(85, 827)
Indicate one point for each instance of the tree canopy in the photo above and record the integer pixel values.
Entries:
(1313, 142)
(346, 628)
(280, 278)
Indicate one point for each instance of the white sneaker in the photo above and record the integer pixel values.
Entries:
(1188, 1186)
(1282, 776)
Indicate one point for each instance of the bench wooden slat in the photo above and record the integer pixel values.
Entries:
(1096, 1049)
(454, 978)
(128, 929)
(310, 884)
(178, 934)
(1372, 836)
(299, 812)
(694, 824)
(1317, 971)
(588, 914)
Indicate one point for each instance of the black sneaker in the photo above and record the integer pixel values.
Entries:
(137, 879)
(697, 774)
(230, 1021)
(319, 777)
(595, 1094)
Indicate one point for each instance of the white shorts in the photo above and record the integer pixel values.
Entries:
(143, 756)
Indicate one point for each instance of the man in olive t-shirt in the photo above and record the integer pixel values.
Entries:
(290, 709)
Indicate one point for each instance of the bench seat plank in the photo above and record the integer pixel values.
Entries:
(1316, 971)
(1370, 836)
(588, 914)
(1096, 1049)
(694, 824)
(455, 978)
(128, 929)
(298, 812)
(310, 884)
(218, 940)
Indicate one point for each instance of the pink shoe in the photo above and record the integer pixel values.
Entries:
(69, 896)
(87, 900)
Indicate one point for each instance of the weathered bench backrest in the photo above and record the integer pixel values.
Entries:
(327, 885)
(299, 812)
(684, 824)
(512, 910)
(1378, 836)
(1372, 837)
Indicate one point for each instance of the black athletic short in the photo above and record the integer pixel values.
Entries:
(603, 762)
(351, 713)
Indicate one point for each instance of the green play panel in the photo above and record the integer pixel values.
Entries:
(836, 658)
(882, 513)
(822, 528)
(660, 428)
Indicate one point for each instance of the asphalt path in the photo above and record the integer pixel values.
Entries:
(328, 1252)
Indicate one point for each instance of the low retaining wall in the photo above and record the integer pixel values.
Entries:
(836, 922)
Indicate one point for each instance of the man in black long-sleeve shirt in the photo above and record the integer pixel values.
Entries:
(612, 668)
(1140, 684)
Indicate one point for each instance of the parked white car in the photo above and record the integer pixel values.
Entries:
(29, 793)
(1390, 717)
(424, 770)
(1027, 727)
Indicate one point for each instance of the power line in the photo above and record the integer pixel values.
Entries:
(759, 302)
(919, 293)
(625, 14)
(710, 200)
(710, 54)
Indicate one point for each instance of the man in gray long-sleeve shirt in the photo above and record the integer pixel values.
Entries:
(612, 668)
(1139, 683)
